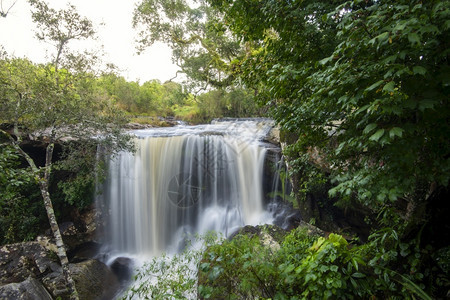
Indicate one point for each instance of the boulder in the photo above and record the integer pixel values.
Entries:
(268, 234)
(273, 136)
(312, 230)
(31, 270)
(123, 268)
(22, 260)
(29, 289)
(136, 126)
(84, 251)
(93, 280)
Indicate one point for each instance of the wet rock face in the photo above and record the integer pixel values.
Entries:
(83, 229)
(285, 216)
(30, 289)
(123, 268)
(84, 252)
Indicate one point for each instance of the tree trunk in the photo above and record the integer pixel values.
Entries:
(43, 185)
(58, 238)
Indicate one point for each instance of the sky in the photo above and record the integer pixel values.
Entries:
(116, 35)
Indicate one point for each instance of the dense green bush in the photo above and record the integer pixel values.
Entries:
(307, 267)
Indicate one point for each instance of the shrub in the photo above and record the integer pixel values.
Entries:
(307, 267)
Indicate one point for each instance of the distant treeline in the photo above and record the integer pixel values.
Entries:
(153, 98)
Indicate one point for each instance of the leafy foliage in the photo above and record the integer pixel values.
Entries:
(202, 46)
(366, 82)
(237, 269)
(301, 266)
(149, 98)
(59, 27)
(166, 277)
(76, 175)
(171, 276)
(20, 209)
(313, 268)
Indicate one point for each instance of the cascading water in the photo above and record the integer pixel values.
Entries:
(185, 180)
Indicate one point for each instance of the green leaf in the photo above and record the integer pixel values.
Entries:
(419, 70)
(399, 27)
(414, 38)
(334, 268)
(358, 275)
(289, 268)
(389, 87)
(365, 107)
(377, 135)
(355, 285)
(414, 288)
(373, 86)
(381, 37)
(392, 195)
(309, 277)
(326, 60)
(355, 264)
(447, 25)
(396, 131)
(369, 128)
(323, 268)
(427, 103)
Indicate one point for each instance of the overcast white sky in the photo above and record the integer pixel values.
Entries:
(117, 36)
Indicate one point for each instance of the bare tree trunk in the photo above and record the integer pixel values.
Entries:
(61, 250)
(43, 184)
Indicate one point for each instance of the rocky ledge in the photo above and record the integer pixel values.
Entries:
(31, 270)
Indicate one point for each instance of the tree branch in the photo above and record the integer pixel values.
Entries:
(2, 12)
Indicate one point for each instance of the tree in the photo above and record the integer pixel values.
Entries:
(150, 97)
(51, 103)
(173, 93)
(370, 78)
(202, 46)
(4, 11)
(59, 27)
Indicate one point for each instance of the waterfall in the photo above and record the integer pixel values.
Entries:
(185, 180)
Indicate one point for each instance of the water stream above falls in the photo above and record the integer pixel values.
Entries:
(188, 179)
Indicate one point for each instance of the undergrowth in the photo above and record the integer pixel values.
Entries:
(302, 267)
